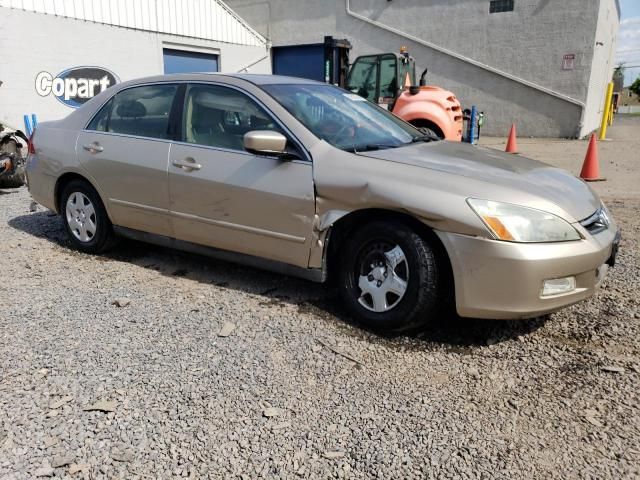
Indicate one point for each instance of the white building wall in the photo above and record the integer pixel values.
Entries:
(206, 19)
(40, 42)
(603, 64)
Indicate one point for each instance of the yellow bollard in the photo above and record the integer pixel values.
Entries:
(611, 114)
(605, 114)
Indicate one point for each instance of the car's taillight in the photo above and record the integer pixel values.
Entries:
(30, 146)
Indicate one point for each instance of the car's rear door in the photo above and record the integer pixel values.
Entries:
(225, 197)
(125, 149)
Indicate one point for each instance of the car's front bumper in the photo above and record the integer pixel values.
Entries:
(502, 280)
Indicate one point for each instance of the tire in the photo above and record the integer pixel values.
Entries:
(375, 300)
(428, 131)
(428, 128)
(85, 218)
(14, 180)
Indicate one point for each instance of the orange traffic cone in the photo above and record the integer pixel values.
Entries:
(591, 167)
(512, 146)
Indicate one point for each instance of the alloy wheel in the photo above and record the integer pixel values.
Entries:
(81, 217)
(383, 275)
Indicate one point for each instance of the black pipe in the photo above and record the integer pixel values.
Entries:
(423, 82)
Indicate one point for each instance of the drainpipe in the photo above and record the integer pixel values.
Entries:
(471, 61)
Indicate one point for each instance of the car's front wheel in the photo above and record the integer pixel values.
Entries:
(389, 277)
(85, 218)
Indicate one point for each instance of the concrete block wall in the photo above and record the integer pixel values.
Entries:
(39, 42)
(529, 43)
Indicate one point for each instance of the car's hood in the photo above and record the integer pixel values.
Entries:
(502, 169)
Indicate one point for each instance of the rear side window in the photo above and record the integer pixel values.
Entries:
(141, 111)
(218, 116)
(101, 120)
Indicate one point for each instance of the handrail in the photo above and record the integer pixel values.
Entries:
(255, 62)
(453, 54)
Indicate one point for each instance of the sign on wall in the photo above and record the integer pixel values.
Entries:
(568, 61)
(75, 86)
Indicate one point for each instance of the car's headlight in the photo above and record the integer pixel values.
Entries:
(514, 223)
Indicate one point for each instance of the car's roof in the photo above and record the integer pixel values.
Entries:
(261, 79)
(257, 79)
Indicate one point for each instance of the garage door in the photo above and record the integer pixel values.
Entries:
(306, 61)
(182, 61)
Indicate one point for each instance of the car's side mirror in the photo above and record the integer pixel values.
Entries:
(265, 142)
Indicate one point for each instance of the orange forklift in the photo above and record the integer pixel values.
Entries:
(389, 80)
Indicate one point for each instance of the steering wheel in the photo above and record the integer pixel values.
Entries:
(337, 130)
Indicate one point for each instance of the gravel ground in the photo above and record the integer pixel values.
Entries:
(115, 367)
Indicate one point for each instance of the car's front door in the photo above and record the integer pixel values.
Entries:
(125, 148)
(225, 197)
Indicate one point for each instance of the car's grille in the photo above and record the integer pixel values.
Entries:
(596, 223)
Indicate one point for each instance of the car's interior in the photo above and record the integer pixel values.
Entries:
(143, 111)
(220, 117)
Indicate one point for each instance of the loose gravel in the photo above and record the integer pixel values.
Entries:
(149, 363)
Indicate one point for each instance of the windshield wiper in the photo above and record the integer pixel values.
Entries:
(369, 147)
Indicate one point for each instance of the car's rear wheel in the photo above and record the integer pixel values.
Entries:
(389, 277)
(85, 218)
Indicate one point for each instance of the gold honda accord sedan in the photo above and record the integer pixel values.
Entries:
(310, 180)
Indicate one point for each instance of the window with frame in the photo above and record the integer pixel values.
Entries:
(500, 6)
(182, 61)
(344, 120)
(364, 77)
(141, 111)
(217, 116)
(389, 80)
(101, 119)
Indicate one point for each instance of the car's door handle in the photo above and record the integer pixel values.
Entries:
(93, 147)
(188, 164)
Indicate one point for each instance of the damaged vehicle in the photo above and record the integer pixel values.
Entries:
(12, 162)
(308, 179)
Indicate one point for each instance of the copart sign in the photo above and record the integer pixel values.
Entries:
(75, 86)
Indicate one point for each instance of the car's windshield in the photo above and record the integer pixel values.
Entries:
(343, 119)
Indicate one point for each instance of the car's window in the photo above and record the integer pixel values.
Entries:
(388, 76)
(343, 119)
(100, 121)
(406, 74)
(218, 116)
(142, 111)
(364, 77)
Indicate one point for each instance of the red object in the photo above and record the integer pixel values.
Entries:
(591, 167)
(512, 145)
(31, 149)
